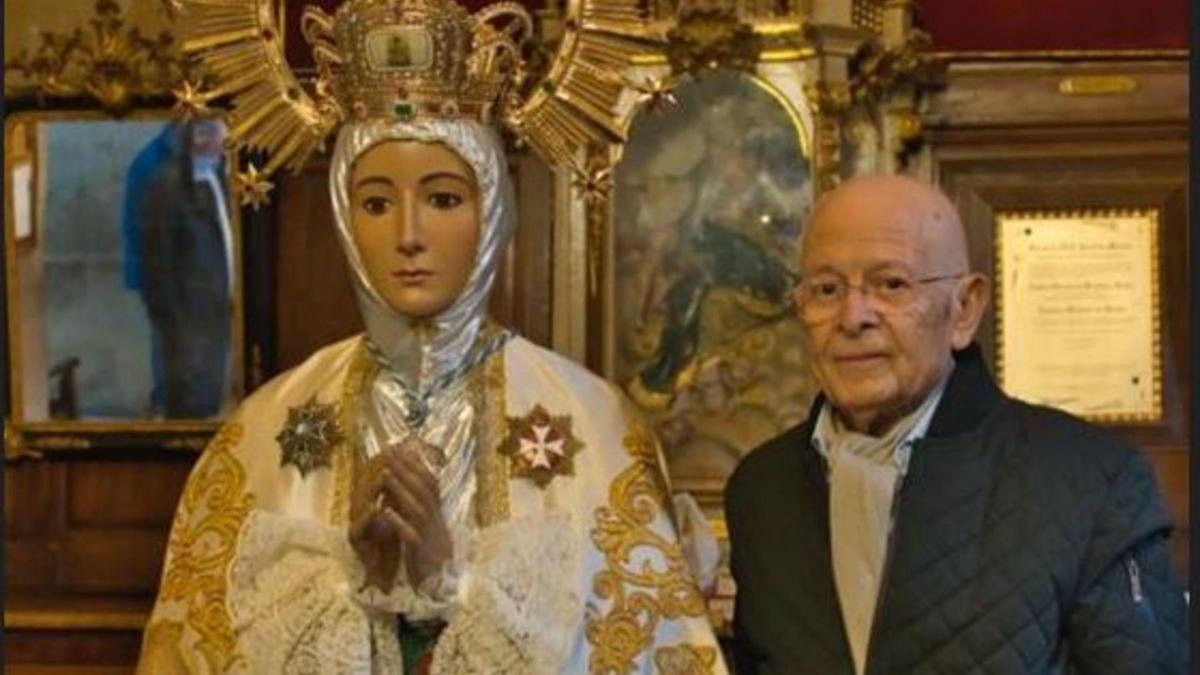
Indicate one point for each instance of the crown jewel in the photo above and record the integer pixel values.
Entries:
(407, 59)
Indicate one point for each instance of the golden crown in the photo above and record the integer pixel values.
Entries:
(411, 59)
(415, 58)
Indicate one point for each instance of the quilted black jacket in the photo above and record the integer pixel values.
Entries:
(1026, 541)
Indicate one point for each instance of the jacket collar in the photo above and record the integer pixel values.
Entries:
(971, 394)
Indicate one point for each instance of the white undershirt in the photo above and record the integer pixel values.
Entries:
(864, 474)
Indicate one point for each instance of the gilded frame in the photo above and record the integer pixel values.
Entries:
(1150, 221)
(35, 438)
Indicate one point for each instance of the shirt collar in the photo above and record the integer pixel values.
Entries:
(823, 428)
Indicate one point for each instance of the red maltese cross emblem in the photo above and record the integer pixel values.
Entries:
(540, 446)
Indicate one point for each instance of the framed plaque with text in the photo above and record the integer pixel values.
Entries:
(1077, 316)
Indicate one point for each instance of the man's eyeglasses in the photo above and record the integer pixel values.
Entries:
(821, 295)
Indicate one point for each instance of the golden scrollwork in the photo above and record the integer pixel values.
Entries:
(203, 541)
(830, 101)
(878, 71)
(111, 63)
(684, 659)
(711, 39)
(640, 594)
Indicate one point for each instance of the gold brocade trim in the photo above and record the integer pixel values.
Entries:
(684, 659)
(160, 649)
(491, 471)
(362, 370)
(203, 541)
(644, 594)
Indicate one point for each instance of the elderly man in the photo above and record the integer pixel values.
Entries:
(920, 521)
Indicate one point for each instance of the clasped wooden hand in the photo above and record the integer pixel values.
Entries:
(396, 516)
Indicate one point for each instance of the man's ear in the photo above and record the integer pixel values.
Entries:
(970, 300)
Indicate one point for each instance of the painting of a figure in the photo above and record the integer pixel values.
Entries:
(127, 289)
(711, 198)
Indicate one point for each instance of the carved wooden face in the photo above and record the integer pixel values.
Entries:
(415, 222)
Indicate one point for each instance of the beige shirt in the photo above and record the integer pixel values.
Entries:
(865, 473)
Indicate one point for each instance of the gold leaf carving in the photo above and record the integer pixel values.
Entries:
(111, 63)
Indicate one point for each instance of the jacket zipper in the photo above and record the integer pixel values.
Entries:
(1135, 580)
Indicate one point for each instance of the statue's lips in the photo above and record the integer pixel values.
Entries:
(412, 277)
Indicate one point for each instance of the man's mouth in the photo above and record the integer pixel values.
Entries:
(860, 359)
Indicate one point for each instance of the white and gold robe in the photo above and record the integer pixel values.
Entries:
(583, 575)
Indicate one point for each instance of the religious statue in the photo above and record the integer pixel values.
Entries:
(438, 495)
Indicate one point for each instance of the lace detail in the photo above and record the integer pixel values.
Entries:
(521, 609)
(434, 599)
(291, 600)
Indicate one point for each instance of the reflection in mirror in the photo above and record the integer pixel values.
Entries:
(122, 243)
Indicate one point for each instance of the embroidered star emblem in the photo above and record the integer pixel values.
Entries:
(309, 436)
(540, 446)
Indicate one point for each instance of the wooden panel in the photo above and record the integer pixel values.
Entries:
(315, 303)
(528, 273)
(1028, 94)
(996, 150)
(74, 669)
(1173, 468)
(94, 648)
(31, 491)
(113, 561)
(30, 565)
(124, 493)
(87, 525)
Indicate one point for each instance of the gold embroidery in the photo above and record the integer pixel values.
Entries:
(362, 370)
(684, 659)
(491, 475)
(641, 593)
(160, 649)
(202, 545)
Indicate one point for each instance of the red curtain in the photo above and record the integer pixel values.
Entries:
(1024, 25)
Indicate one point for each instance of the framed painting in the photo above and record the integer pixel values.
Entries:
(710, 199)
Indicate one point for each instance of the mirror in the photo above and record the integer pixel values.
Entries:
(123, 260)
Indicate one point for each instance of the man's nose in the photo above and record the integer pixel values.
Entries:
(857, 310)
(411, 240)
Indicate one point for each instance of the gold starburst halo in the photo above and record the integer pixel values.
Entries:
(401, 64)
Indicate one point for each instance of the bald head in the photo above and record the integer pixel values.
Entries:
(885, 296)
(899, 204)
